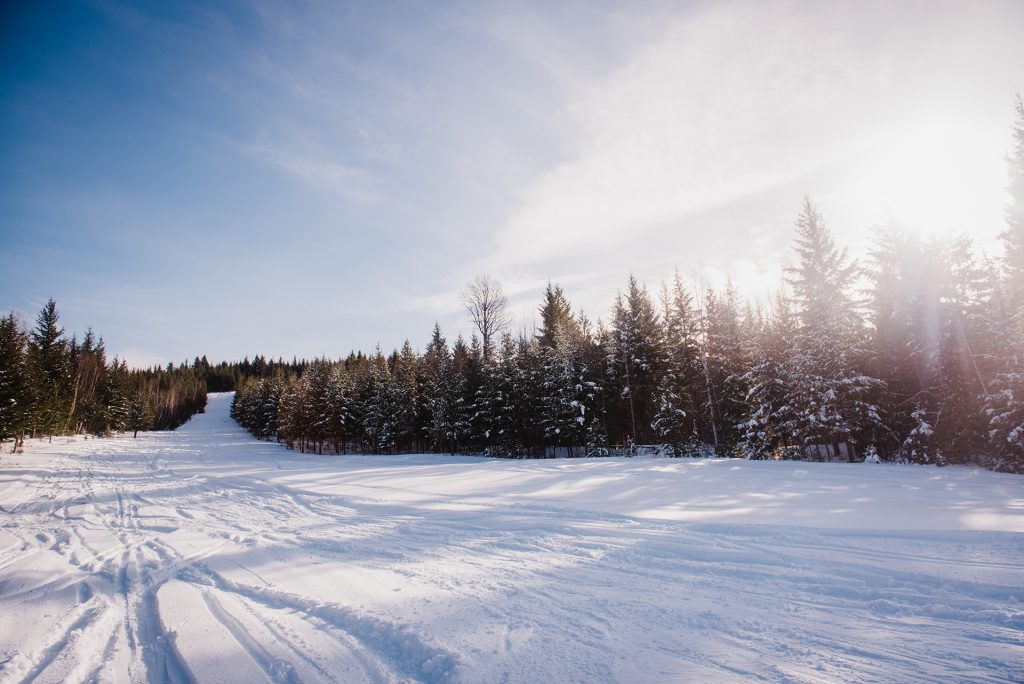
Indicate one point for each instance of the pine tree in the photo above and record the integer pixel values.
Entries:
(474, 417)
(446, 403)
(638, 358)
(140, 413)
(406, 399)
(340, 419)
(15, 407)
(722, 408)
(113, 399)
(832, 394)
(428, 375)
(1004, 400)
(49, 363)
(674, 420)
(556, 319)
(1013, 236)
(770, 426)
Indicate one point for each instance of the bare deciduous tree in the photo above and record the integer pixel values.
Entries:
(486, 303)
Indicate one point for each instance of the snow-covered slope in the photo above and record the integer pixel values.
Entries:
(204, 555)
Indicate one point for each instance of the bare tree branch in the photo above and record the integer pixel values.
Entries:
(486, 305)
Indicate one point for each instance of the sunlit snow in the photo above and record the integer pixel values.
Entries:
(203, 554)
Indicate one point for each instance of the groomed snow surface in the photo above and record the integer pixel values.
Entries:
(204, 555)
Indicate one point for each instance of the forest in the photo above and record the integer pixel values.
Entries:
(914, 354)
(51, 385)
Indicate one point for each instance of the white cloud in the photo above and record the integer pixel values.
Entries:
(728, 102)
(350, 182)
(691, 151)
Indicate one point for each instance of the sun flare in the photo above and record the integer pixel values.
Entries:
(941, 180)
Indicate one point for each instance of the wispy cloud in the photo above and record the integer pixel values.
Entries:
(697, 147)
(426, 143)
(350, 182)
(712, 109)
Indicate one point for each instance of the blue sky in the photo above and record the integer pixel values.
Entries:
(307, 178)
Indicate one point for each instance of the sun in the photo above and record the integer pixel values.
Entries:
(941, 179)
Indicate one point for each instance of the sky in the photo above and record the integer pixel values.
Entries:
(307, 178)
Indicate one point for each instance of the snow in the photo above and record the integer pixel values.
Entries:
(202, 554)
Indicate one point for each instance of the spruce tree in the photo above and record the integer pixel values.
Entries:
(140, 412)
(15, 397)
(1004, 400)
(113, 399)
(638, 358)
(722, 407)
(674, 421)
(1013, 236)
(770, 425)
(832, 393)
(556, 319)
(50, 372)
(406, 399)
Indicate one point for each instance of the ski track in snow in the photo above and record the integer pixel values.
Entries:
(203, 555)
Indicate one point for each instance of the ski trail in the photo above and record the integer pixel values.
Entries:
(407, 651)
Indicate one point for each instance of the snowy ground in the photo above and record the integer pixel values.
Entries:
(204, 555)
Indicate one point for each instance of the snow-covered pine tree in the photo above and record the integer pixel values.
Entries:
(1013, 237)
(919, 445)
(580, 399)
(556, 319)
(525, 405)
(721, 408)
(556, 395)
(637, 359)
(267, 410)
(405, 396)
(1004, 400)
(490, 407)
(340, 419)
(832, 394)
(674, 421)
(428, 371)
(446, 399)
(768, 431)
(473, 420)
(379, 418)
(317, 406)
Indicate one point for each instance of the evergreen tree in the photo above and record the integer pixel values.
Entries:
(722, 407)
(446, 402)
(15, 397)
(405, 395)
(674, 420)
(1004, 398)
(832, 394)
(113, 399)
(1013, 236)
(140, 413)
(49, 363)
(638, 358)
(769, 430)
(556, 319)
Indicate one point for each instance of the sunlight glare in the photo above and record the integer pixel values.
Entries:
(941, 180)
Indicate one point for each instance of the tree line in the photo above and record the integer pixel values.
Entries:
(914, 355)
(51, 385)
